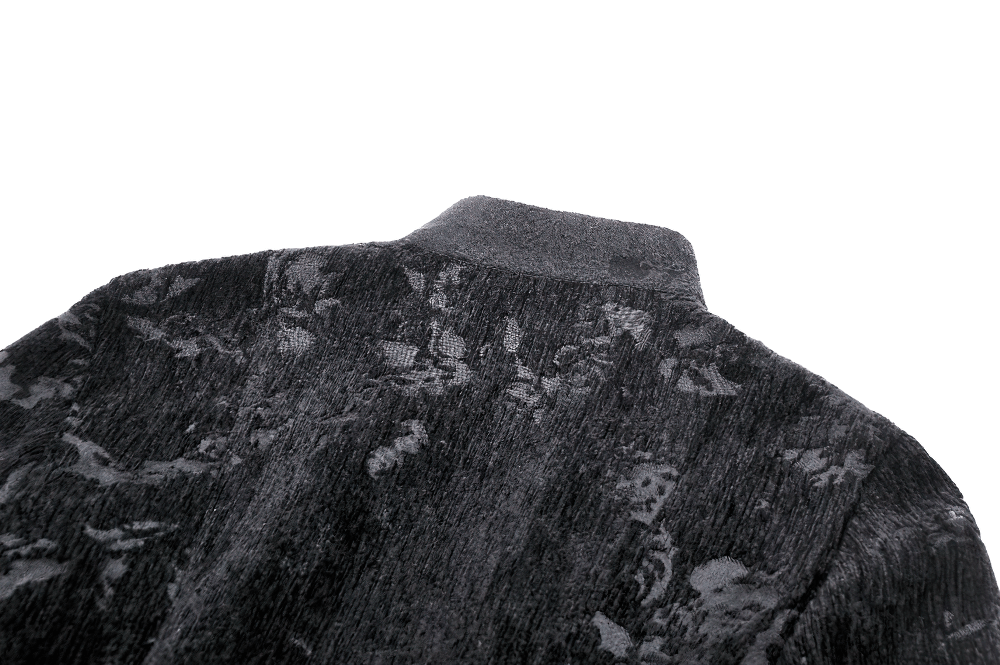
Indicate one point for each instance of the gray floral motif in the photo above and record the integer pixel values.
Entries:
(647, 488)
(295, 340)
(699, 379)
(813, 462)
(656, 570)
(150, 293)
(449, 276)
(581, 366)
(28, 571)
(191, 347)
(614, 638)
(95, 463)
(624, 319)
(384, 458)
(442, 365)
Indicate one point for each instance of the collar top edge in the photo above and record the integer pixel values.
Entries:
(563, 245)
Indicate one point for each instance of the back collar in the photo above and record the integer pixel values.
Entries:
(563, 245)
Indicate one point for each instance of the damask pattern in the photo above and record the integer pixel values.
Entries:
(407, 452)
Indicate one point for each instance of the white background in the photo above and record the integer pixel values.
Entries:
(835, 165)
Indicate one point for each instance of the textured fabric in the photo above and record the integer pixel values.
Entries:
(516, 436)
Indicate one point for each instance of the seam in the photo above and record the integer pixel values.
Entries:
(821, 576)
(568, 280)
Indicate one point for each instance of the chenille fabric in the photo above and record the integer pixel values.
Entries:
(514, 436)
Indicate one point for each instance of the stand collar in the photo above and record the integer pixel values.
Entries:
(563, 245)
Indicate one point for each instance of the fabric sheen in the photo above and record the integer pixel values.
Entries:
(514, 436)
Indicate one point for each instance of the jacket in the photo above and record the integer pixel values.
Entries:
(514, 436)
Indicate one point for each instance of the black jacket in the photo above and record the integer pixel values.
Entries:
(515, 436)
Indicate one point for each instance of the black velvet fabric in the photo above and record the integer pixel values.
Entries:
(451, 449)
